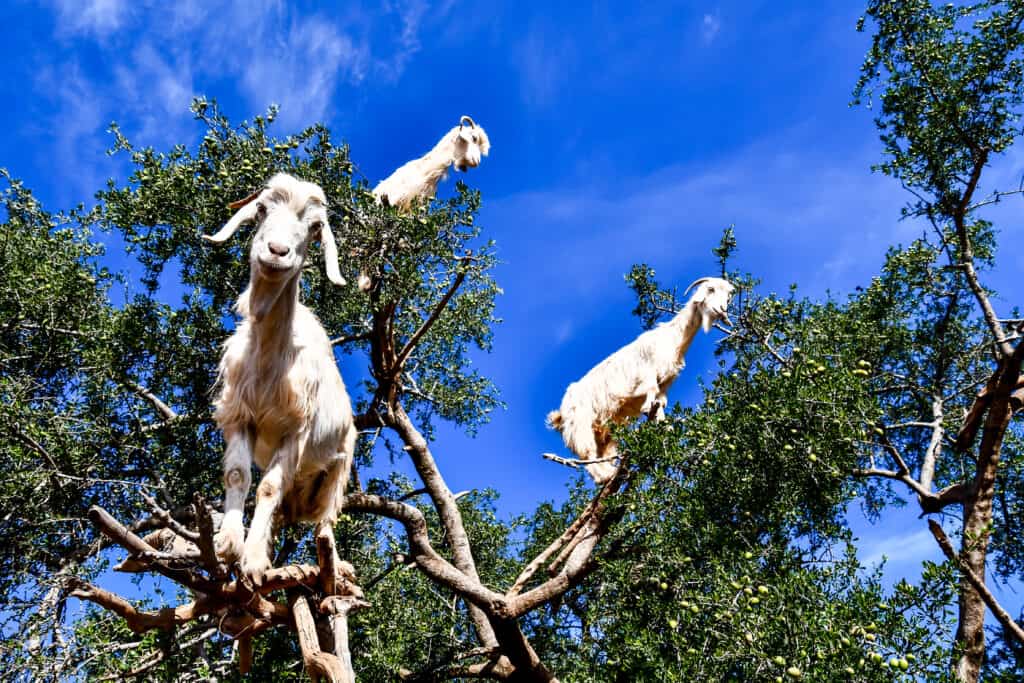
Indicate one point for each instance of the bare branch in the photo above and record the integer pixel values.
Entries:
(165, 410)
(431, 319)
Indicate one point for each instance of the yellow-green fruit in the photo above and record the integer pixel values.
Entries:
(749, 638)
(849, 670)
(663, 585)
(794, 672)
(748, 555)
(911, 658)
(781, 661)
(672, 623)
(903, 664)
(695, 609)
(812, 457)
(755, 600)
(845, 641)
(787, 374)
(763, 590)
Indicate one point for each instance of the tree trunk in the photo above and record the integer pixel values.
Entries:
(970, 633)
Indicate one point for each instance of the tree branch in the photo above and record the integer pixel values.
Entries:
(997, 610)
(429, 322)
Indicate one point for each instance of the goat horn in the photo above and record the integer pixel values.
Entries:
(239, 203)
(245, 213)
(330, 255)
(694, 284)
(465, 119)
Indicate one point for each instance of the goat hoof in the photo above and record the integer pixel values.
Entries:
(229, 544)
(255, 570)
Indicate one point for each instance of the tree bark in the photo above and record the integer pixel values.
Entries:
(970, 633)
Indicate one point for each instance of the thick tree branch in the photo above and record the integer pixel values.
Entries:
(997, 610)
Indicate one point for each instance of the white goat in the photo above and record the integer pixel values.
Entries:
(282, 401)
(634, 380)
(462, 147)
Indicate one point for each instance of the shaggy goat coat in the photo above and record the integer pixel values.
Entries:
(281, 403)
(462, 146)
(633, 381)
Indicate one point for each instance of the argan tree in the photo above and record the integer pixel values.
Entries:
(107, 415)
(719, 552)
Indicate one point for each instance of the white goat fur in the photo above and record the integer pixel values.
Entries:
(282, 402)
(462, 147)
(634, 380)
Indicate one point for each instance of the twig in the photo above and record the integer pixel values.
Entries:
(169, 521)
(576, 463)
(434, 315)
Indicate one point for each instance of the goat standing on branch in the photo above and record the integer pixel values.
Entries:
(282, 401)
(634, 380)
(462, 147)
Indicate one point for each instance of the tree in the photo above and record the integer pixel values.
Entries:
(954, 86)
(718, 552)
(125, 408)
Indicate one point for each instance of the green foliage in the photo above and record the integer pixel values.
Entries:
(77, 370)
(953, 85)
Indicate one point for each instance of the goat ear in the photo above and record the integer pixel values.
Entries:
(245, 213)
(330, 255)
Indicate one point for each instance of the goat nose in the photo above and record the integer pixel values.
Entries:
(278, 249)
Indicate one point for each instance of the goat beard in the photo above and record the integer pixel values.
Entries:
(707, 319)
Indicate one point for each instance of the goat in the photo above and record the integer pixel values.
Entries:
(462, 147)
(634, 380)
(281, 400)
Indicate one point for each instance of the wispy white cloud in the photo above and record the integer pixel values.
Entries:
(163, 86)
(710, 26)
(911, 547)
(73, 133)
(545, 59)
(156, 56)
(785, 197)
(300, 69)
(96, 17)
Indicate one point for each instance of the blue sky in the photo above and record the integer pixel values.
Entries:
(621, 133)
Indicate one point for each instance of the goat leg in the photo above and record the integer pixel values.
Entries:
(278, 476)
(230, 540)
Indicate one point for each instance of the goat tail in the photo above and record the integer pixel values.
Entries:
(555, 420)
